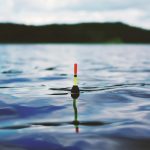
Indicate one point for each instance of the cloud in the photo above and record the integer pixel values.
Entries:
(135, 12)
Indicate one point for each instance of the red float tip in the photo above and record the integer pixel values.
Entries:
(75, 69)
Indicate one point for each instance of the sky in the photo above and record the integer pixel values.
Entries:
(39, 12)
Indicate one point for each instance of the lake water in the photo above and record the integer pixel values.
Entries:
(37, 111)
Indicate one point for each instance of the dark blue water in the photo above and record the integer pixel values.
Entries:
(37, 111)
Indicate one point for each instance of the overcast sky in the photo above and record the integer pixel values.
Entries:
(37, 12)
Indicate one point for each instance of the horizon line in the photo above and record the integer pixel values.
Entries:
(75, 23)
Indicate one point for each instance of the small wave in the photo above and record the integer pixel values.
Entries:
(131, 70)
(48, 124)
(60, 89)
(15, 127)
(94, 89)
(63, 74)
(58, 94)
(52, 78)
(5, 87)
(83, 123)
(12, 72)
(7, 111)
(50, 68)
(14, 80)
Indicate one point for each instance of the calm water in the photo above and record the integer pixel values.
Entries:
(37, 111)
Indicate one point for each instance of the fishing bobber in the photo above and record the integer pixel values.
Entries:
(75, 92)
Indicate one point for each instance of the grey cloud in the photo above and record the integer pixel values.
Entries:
(78, 5)
(56, 11)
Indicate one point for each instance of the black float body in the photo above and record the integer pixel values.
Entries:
(75, 92)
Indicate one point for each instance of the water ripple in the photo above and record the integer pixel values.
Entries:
(37, 111)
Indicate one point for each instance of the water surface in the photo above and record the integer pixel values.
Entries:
(37, 111)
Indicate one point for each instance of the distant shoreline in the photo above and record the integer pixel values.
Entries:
(83, 33)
